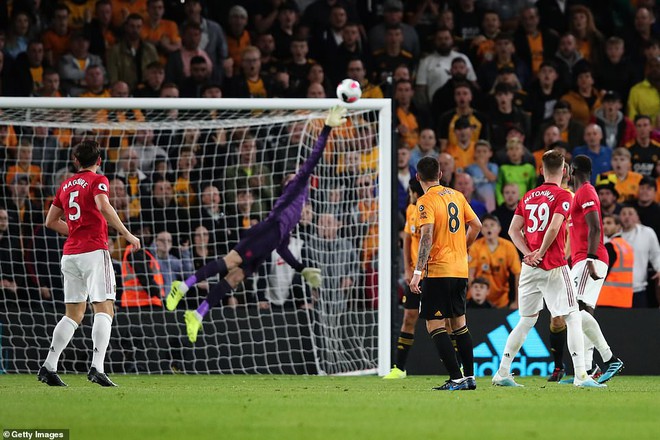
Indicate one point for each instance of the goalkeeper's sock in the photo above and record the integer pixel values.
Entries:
(217, 266)
(216, 294)
(101, 338)
(61, 336)
(464, 347)
(557, 344)
(446, 351)
(403, 345)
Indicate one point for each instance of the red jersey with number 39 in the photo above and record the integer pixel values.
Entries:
(538, 207)
(88, 230)
(585, 201)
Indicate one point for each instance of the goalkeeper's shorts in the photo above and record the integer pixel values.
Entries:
(257, 245)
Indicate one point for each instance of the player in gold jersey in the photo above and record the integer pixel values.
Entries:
(448, 226)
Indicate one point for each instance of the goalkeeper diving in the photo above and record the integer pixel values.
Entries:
(271, 234)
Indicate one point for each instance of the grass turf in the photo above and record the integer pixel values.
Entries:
(299, 407)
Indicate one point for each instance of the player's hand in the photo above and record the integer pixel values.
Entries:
(264, 305)
(591, 267)
(533, 259)
(313, 276)
(133, 240)
(414, 284)
(336, 116)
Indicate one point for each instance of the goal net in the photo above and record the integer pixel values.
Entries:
(190, 177)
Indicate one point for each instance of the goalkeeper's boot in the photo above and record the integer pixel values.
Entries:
(452, 385)
(588, 383)
(175, 295)
(395, 373)
(507, 381)
(614, 367)
(557, 374)
(50, 378)
(102, 379)
(193, 325)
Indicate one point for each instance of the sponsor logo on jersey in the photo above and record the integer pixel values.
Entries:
(532, 359)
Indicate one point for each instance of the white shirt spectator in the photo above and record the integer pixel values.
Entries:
(645, 243)
(434, 70)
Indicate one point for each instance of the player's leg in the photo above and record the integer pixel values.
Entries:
(194, 318)
(406, 336)
(557, 344)
(460, 334)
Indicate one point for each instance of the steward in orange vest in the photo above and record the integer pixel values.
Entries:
(617, 291)
(138, 270)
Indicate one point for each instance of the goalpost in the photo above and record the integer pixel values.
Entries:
(189, 153)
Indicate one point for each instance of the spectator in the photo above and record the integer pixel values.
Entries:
(407, 119)
(385, 60)
(102, 34)
(644, 98)
(298, 64)
(505, 115)
(187, 178)
(316, 75)
(647, 208)
(645, 151)
(504, 57)
(466, 18)
(393, 15)
(73, 65)
(571, 131)
(350, 48)
(238, 38)
(533, 44)
(317, 13)
(24, 166)
(51, 84)
(316, 91)
(554, 14)
(505, 211)
(247, 210)
(433, 72)
(163, 34)
(18, 35)
(265, 15)
(12, 269)
(479, 291)
(484, 174)
(544, 93)
(358, 72)
(515, 171)
(249, 83)
(123, 63)
(616, 72)
(209, 213)
(153, 82)
(625, 180)
(465, 185)
(617, 291)
(200, 74)
(448, 168)
(28, 70)
(641, 34)
(584, 99)
(179, 63)
(463, 150)
(249, 171)
(405, 172)
(123, 8)
(269, 63)
(213, 40)
(644, 242)
(428, 146)
(567, 58)
(161, 212)
(202, 253)
(589, 39)
(56, 38)
(325, 41)
(600, 155)
(95, 83)
(285, 28)
(618, 130)
(142, 279)
(171, 267)
(483, 45)
(445, 125)
(443, 98)
(551, 137)
(608, 195)
(129, 172)
(496, 259)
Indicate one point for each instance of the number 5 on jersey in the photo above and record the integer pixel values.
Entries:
(73, 205)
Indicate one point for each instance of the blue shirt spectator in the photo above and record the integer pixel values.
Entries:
(600, 155)
(171, 267)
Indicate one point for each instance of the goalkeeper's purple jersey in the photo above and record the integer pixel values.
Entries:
(288, 207)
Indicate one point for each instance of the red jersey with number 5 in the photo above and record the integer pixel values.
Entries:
(538, 207)
(88, 230)
(585, 201)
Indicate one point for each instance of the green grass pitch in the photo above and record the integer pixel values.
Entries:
(308, 407)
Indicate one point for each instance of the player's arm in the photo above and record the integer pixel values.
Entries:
(474, 227)
(54, 220)
(110, 215)
(611, 254)
(425, 244)
(516, 234)
(593, 239)
(407, 243)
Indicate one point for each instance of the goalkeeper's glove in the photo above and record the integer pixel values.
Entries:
(336, 116)
(313, 276)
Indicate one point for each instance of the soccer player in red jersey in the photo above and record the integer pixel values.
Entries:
(538, 230)
(83, 201)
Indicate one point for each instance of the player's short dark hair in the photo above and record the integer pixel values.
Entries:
(553, 161)
(614, 217)
(87, 152)
(480, 280)
(490, 217)
(582, 165)
(428, 169)
(416, 187)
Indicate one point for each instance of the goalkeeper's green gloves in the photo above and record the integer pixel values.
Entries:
(313, 276)
(336, 116)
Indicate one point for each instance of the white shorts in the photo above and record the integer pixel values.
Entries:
(89, 275)
(587, 289)
(554, 286)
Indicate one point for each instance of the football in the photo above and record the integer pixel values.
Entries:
(349, 91)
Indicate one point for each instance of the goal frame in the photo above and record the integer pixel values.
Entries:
(386, 194)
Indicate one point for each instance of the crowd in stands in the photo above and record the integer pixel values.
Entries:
(485, 86)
